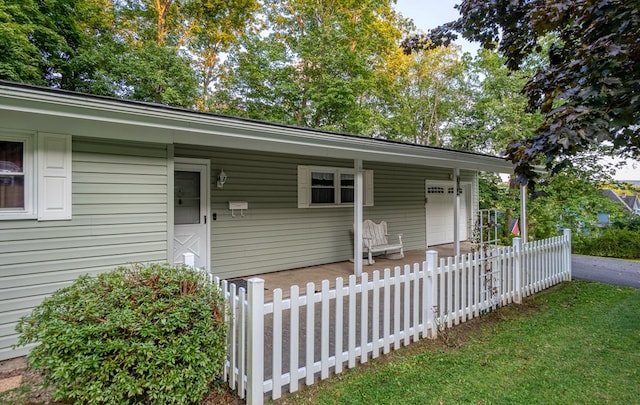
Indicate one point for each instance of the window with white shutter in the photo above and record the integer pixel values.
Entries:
(331, 187)
(35, 177)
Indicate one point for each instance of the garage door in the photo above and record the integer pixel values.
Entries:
(439, 205)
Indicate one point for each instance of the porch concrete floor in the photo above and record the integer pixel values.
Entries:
(316, 274)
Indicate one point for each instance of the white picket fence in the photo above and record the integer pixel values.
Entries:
(279, 345)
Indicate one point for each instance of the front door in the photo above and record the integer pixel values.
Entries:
(191, 211)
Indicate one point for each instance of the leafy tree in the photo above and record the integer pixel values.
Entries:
(589, 88)
(570, 200)
(56, 43)
(315, 65)
(197, 31)
(431, 92)
(494, 115)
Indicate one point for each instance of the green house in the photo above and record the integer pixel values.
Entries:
(89, 183)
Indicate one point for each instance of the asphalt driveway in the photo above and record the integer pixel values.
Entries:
(606, 270)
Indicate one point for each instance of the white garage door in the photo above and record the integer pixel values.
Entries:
(439, 205)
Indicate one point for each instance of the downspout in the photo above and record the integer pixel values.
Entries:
(357, 217)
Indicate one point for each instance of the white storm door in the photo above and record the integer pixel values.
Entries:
(191, 211)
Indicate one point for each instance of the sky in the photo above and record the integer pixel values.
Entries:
(428, 14)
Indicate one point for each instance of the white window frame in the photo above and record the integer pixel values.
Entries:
(47, 174)
(305, 188)
(29, 210)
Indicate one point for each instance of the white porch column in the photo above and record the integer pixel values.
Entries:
(523, 213)
(357, 216)
(456, 211)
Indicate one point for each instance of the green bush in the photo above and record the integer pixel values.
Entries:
(611, 242)
(147, 334)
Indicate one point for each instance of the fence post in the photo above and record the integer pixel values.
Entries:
(517, 270)
(430, 293)
(567, 252)
(255, 341)
(189, 259)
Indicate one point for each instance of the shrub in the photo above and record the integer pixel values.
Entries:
(146, 334)
(611, 242)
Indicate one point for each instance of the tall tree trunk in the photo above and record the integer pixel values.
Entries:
(162, 8)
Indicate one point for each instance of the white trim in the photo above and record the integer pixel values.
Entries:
(357, 215)
(170, 182)
(305, 186)
(25, 105)
(54, 177)
(29, 171)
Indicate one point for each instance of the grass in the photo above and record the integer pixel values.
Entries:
(576, 343)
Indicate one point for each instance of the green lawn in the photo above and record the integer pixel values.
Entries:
(576, 343)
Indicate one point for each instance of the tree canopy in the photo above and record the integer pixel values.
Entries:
(588, 89)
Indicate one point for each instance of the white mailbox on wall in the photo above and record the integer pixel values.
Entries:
(238, 205)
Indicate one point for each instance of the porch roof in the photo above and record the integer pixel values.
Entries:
(75, 113)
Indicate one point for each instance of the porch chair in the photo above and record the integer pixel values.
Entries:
(374, 239)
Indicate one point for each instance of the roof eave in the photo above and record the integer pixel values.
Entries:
(170, 125)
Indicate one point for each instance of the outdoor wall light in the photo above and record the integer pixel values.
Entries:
(222, 178)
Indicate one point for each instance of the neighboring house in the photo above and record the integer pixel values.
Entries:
(89, 183)
(630, 202)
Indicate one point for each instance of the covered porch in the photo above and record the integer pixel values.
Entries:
(331, 271)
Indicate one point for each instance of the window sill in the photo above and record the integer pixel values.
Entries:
(4, 216)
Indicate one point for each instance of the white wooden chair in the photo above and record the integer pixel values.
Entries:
(374, 239)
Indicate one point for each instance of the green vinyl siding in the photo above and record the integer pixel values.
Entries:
(119, 217)
(275, 234)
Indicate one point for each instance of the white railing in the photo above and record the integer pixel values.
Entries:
(277, 345)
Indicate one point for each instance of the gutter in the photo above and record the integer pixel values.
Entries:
(181, 126)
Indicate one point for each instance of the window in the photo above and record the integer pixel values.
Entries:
(22, 194)
(331, 186)
(435, 190)
(323, 188)
(11, 175)
(16, 176)
(347, 188)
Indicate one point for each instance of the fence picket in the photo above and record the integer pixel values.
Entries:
(339, 325)
(230, 290)
(241, 365)
(310, 335)
(375, 315)
(440, 316)
(416, 301)
(396, 308)
(364, 317)
(386, 312)
(293, 338)
(352, 321)
(324, 331)
(405, 306)
(276, 347)
(455, 293)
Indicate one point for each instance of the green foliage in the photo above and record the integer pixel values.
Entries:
(569, 200)
(628, 221)
(587, 88)
(316, 64)
(149, 334)
(496, 116)
(610, 242)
